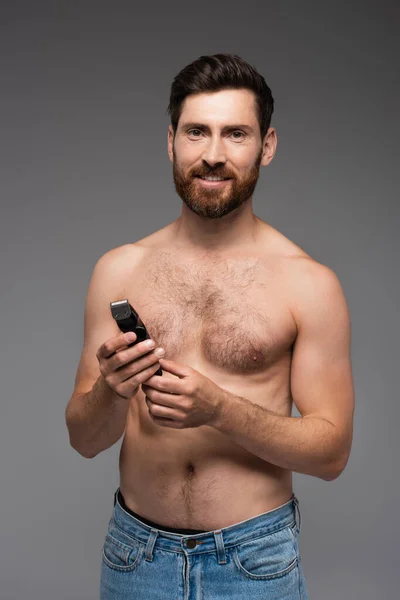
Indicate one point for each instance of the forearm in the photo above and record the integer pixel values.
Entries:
(304, 445)
(96, 420)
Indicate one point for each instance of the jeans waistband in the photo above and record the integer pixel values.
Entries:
(257, 526)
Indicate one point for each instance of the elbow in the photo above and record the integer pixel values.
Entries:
(335, 470)
(86, 454)
(330, 476)
(78, 446)
(82, 451)
(75, 441)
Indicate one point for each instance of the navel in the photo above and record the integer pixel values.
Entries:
(190, 469)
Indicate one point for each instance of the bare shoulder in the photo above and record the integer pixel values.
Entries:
(118, 264)
(136, 250)
(315, 289)
(299, 266)
(122, 259)
(114, 262)
(310, 284)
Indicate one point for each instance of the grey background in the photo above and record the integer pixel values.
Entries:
(84, 168)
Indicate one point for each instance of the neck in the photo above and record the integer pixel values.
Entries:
(229, 233)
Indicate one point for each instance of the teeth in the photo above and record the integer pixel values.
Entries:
(213, 178)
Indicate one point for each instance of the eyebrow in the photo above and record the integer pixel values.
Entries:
(226, 129)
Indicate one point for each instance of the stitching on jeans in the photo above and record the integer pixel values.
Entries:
(125, 568)
(254, 539)
(121, 545)
(264, 577)
(131, 537)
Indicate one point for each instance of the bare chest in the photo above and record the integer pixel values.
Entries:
(233, 314)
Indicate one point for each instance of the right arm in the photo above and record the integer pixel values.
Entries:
(96, 419)
(108, 375)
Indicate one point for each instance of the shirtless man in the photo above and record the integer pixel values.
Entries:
(249, 323)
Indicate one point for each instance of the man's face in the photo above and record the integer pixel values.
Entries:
(218, 135)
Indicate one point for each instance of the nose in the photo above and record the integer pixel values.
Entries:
(214, 153)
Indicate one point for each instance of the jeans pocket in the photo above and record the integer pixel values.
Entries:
(269, 556)
(121, 552)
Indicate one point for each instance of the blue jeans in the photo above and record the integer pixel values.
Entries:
(255, 559)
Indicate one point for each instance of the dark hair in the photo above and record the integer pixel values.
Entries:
(221, 72)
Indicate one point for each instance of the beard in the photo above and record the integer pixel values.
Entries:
(214, 203)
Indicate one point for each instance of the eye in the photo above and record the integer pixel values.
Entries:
(241, 133)
(191, 131)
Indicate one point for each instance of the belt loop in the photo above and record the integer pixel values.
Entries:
(296, 503)
(150, 544)
(219, 542)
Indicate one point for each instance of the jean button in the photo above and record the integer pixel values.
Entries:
(191, 543)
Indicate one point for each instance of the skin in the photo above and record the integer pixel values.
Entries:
(250, 324)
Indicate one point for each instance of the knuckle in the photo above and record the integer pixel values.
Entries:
(136, 380)
(120, 358)
(187, 405)
(188, 388)
(106, 347)
(152, 356)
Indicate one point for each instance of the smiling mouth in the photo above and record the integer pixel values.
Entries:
(219, 179)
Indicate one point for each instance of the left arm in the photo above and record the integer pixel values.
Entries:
(319, 442)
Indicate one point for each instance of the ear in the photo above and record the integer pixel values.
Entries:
(269, 146)
(170, 143)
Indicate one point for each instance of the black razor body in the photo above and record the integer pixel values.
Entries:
(128, 320)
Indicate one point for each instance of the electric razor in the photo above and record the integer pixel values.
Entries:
(128, 320)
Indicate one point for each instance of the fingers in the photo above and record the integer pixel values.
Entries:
(139, 352)
(113, 344)
(125, 364)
